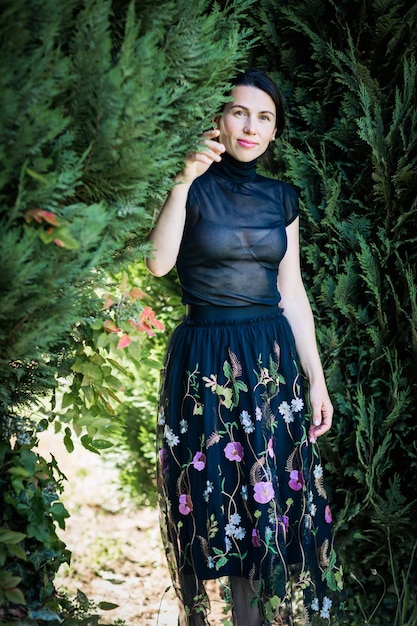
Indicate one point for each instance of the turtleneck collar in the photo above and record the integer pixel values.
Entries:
(235, 170)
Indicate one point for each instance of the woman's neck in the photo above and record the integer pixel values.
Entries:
(238, 171)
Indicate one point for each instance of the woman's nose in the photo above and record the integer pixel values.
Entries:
(249, 126)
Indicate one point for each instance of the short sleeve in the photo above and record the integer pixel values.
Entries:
(290, 203)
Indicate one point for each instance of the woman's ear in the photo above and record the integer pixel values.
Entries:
(216, 121)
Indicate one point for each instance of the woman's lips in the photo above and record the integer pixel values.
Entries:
(246, 143)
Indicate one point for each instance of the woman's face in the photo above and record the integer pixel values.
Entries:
(248, 123)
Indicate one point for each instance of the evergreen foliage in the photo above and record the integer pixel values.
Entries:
(348, 70)
(95, 120)
(100, 102)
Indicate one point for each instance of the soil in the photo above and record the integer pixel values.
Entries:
(117, 553)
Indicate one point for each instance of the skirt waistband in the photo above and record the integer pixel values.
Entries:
(223, 313)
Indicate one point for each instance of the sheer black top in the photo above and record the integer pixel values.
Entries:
(234, 236)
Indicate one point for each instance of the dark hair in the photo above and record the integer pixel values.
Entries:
(261, 80)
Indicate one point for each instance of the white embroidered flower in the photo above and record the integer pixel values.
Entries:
(325, 610)
(244, 492)
(161, 417)
(315, 604)
(171, 438)
(288, 418)
(228, 544)
(284, 407)
(208, 490)
(318, 471)
(258, 414)
(210, 562)
(285, 410)
(183, 426)
(230, 529)
(297, 405)
(312, 508)
(240, 532)
(235, 519)
(245, 420)
(211, 382)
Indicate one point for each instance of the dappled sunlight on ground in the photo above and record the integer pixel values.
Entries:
(117, 553)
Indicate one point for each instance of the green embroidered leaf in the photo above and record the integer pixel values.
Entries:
(227, 370)
(221, 562)
(225, 395)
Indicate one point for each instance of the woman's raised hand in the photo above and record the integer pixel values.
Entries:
(198, 162)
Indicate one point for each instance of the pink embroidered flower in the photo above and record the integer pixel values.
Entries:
(296, 481)
(328, 514)
(163, 459)
(186, 504)
(283, 521)
(199, 461)
(270, 447)
(263, 492)
(256, 540)
(234, 451)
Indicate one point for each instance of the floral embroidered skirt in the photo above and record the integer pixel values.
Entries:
(241, 487)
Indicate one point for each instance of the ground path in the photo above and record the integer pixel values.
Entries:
(116, 551)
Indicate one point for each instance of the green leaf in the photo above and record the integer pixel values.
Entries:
(101, 444)
(15, 595)
(17, 551)
(68, 442)
(19, 471)
(7, 580)
(227, 370)
(10, 536)
(107, 606)
(222, 561)
(151, 363)
(87, 442)
(117, 365)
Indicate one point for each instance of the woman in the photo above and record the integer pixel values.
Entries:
(240, 479)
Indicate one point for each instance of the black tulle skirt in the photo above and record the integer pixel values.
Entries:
(241, 486)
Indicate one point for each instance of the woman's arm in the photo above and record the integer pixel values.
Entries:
(297, 310)
(167, 233)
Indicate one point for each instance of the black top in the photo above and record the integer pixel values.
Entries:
(234, 236)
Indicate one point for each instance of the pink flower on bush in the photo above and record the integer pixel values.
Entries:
(199, 461)
(256, 540)
(234, 451)
(111, 327)
(186, 504)
(147, 322)
(328, 514)
(263, 492)
(296, 481)
(124, 341)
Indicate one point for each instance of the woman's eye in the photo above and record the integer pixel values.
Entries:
(239, 113)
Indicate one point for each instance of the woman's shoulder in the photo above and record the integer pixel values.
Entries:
(277, 183)
(281, 189)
